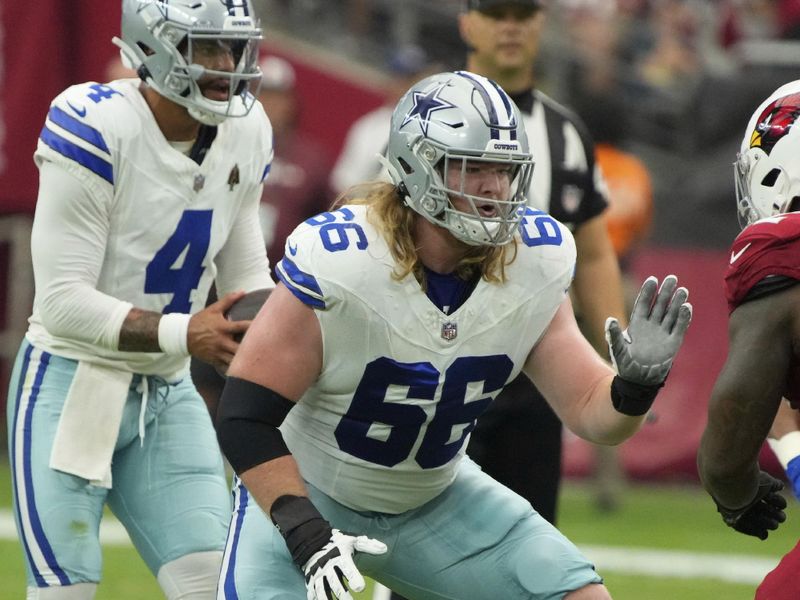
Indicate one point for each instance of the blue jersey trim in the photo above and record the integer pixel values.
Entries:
(95, 164)
(75, 127)
(302, 285)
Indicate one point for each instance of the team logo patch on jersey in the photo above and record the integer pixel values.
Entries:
(449, 331)
(233, 177)
(199, 182)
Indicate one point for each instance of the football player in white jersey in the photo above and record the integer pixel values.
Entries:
(149, 191)
(397, 320)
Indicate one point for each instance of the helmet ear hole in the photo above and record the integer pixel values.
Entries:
(771, 177)
(407, 168)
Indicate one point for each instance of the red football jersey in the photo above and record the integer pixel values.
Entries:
(782, 583)
(767, 247)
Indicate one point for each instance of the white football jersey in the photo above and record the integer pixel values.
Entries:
(159, 224)
(402, 383)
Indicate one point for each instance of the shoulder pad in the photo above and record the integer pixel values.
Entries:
(768, 247)
(77, 131)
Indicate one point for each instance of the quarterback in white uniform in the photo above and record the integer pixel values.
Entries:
(397, 319)
(149, 192)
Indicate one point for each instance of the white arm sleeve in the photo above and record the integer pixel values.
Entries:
(242, 264)
(68, 244)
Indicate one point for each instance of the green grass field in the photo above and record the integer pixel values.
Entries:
(663, 517)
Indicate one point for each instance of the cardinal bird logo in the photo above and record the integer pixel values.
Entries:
(775, 122)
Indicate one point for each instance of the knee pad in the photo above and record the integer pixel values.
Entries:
(191, 577)
(77, 591)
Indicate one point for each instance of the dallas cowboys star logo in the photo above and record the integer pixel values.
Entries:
(424, 105)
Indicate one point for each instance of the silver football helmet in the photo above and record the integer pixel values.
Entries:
(767, 168)
(461, 117)
(162, 40)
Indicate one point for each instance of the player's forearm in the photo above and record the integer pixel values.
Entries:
(139, 331)
(270, 480)
(148, 331)
(597, 287)
(727, 475)
(598, 290)
(600, 422)
(76, 311)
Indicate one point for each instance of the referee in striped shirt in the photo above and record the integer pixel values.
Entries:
(518, 440)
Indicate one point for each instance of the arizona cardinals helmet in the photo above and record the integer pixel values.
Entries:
(459, 116)
(162, 39)
(767, 168)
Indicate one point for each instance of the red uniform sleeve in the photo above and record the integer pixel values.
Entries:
(767, 247)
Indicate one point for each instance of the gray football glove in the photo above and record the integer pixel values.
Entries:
(644, 352)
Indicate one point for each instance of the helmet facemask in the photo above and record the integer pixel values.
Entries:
(481, 220)
(240, 85)
(764, 188)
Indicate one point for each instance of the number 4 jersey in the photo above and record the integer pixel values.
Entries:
(402, 383)
(142, 224)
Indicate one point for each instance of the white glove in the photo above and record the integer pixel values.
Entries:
(644, 352)
(330, 568)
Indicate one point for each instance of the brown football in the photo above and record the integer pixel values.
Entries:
(247, 308)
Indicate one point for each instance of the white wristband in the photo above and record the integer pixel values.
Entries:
(173, 334)
(786, 448)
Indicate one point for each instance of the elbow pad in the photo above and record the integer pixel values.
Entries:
(248, 418)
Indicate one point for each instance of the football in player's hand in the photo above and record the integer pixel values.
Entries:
(247, 308)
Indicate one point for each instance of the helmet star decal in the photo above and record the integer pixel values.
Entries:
(424, 105)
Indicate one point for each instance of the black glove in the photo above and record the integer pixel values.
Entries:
(763, 514)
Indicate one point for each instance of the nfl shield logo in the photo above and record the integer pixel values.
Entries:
(449, 331)
(199, 182)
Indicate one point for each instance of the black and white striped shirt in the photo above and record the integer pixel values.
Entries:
(566, 182)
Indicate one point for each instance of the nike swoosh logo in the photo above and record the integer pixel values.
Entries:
(81, 112)
(292, 249)
(735, 255)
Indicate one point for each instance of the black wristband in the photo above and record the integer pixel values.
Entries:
(632, 399)
(302, 526)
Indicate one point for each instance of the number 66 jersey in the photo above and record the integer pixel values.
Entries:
(402, 383)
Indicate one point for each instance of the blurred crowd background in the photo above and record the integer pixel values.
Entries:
(671, 82)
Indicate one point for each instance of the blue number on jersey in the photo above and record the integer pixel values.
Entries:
(165, 275)
(334, 232)
(406, 420)
(101, 92)
(452, 410)
(540, 229)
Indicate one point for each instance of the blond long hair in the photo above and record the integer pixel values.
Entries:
(394, 219)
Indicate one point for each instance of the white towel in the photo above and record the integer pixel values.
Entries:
(89, 425)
